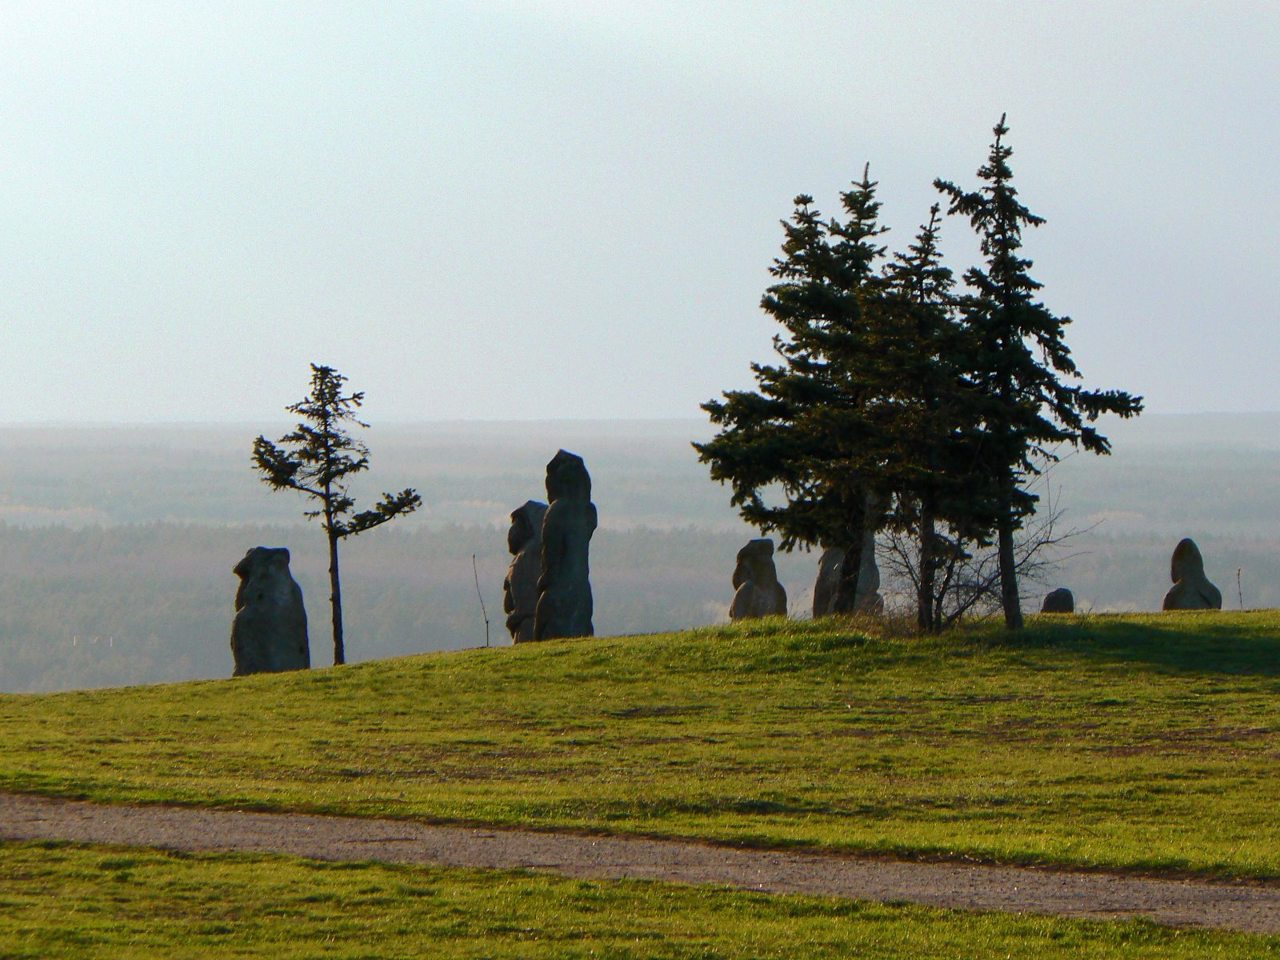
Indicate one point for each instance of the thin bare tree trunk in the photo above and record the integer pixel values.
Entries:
(925, 619)
(335, 600)
(1009, 598)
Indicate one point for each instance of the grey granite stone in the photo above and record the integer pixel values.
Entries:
(564, 586)
(269, 633)
(520, 588)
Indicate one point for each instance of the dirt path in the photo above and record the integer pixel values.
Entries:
(1179, 902)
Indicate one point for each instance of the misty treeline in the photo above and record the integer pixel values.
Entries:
(148, 603)
(904, 401)
(117, 543)
(145, 603)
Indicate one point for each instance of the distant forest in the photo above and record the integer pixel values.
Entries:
(116, 544)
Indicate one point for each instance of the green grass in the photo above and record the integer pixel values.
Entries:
(1136, 742)
(67, 901)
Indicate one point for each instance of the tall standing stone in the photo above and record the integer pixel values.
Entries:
(755, 581)
(520, 588)
(1191, 589)
(269, 633)
(826, 589)
(835, 591)
(564, 586)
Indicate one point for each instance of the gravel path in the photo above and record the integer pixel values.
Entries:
(1178, 902)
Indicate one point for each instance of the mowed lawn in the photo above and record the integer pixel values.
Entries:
(68, 901)
(1134, 742)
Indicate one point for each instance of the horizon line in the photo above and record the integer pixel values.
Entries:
(480, 421)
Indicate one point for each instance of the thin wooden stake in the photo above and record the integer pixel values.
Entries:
(483, 612)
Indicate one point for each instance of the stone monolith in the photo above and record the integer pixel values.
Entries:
(269, 633)
(1191, 589)
(1059, 601)
(826, 589)
(830, 570)
(755, 580)
(564, 584)
(520, 588)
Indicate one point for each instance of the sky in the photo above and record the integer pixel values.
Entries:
(537, 210)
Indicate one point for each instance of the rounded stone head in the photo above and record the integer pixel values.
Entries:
(1186, 561)
(755, 563)
(567, 478)
(259, 557)
(526, 523)
(1061, 600)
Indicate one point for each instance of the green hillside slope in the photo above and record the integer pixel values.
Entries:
(1131, 742)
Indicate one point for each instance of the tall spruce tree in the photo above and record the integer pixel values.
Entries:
(810, 430)
(1019, 359)
(316, 459)
(941, 497)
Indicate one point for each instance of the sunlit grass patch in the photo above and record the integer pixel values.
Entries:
(70, 901)
(1137, 742)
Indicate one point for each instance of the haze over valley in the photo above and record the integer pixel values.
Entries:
(117, 543)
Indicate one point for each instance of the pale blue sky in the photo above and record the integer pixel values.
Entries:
(512, 209)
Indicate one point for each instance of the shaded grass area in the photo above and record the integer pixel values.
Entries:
(1130, 742)
(71, 901)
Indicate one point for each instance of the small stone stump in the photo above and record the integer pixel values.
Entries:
(1191, 589)
(755, 580)
(520, 588)
(269, 632)
(564, 586)
(1058, 601)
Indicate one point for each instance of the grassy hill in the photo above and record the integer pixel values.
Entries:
(1132, 742)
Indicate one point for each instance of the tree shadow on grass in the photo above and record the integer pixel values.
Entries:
(1232, 644)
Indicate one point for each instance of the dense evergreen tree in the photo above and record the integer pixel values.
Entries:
(811, 429)
(316, 459)
(1018, 359)
(942, 500)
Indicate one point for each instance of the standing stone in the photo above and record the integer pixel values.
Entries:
(269, 633)
(759, 594)
(564, 585)
(830, 570)
(1191, 589)
(1059, 601)
(520, 588)
(831, 592)
(826, 589)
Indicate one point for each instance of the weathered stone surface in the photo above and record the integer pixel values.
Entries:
(564, 585)
(830, 571)
(836, 589)
(520, 588)
(1059, 601)
(269, 633)
(826, 589)
(1191, 589)
(759, 594)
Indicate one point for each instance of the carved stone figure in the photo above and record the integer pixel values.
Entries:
(1191, 589)
(759, 594)
(269, 633)
(826, 589)
(564, 585)
(831, 592)
(1059, 601)
(830, 570)
(520, 588)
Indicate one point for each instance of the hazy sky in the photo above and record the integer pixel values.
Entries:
(567, 209)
